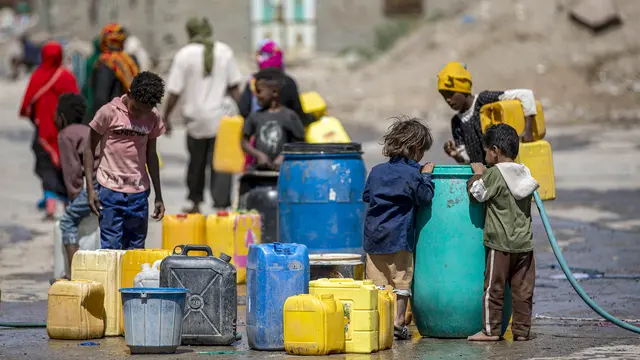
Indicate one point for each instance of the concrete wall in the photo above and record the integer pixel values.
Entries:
(160, 23)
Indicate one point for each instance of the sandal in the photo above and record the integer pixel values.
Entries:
(401, 333)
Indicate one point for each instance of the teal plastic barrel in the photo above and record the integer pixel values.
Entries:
(450, 260)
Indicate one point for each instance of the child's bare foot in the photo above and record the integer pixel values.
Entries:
(521, 338)
(480, 336)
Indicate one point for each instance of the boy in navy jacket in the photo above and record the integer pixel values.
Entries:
(393, 191)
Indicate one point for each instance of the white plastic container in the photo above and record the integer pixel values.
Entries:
(149, 277)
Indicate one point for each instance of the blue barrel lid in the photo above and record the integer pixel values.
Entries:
(328, 148)
(455, 170)
(153, 290)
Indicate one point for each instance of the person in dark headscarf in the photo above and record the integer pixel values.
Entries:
(48, 82)
(114, 70)
(203, 73)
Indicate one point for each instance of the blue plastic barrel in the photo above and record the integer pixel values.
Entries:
(274, 272)
(448, 278)
(153, 319)
(320, 197)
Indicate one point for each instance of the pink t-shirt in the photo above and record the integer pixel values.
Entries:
(123, 159)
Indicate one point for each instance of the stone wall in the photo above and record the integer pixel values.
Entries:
(160, 23)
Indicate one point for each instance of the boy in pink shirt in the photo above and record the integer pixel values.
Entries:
(126, 129)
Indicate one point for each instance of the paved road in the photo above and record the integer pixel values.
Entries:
(595, 217)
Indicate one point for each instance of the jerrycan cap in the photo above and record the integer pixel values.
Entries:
(222, 213)
(224, 257)
(182, 216)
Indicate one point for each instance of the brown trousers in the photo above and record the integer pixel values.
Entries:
(520, 270)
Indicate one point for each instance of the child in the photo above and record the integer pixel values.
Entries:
(393, 191)
(127, 129)
(506, 189)
(454, 84)
(273, 126)
(72, 140)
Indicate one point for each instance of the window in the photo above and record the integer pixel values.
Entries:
(403, 7)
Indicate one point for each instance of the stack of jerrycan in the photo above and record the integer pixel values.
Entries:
(132, 264)
(313, 325)
(211, 305)
(188, 229)
(450, 260)
(360, 305)
(536, 155)
(232, 233)
(275, 272)
(324, 128)
(104, 267)
(76, 310)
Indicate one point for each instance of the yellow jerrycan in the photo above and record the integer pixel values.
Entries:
(232, 232)
(313, 325)
(183, 229)
(75, 310)
(228, 156)
(510, 112)
(312, 103)
(105, 267)
(386, 317)
(537, 156)
(326, 130)
(360, 303)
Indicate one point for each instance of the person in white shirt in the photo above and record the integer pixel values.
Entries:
(133, 46)
(203, 73)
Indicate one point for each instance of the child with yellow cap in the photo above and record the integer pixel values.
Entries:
(454, 84)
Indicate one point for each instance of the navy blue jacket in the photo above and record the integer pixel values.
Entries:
(393, 191)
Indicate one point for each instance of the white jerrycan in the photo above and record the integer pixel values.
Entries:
(149, 277)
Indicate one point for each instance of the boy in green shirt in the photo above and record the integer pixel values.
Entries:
(506, 188)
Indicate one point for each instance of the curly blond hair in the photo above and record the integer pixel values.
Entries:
(407, 137)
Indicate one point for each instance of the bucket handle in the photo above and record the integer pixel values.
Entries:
(187, 248)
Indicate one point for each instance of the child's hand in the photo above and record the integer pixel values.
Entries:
(450, 149)
(478, 168)
(263, 160)
(158, 212)
(427, 168)
(278, 162)
(94, 203)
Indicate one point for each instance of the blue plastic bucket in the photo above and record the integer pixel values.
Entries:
(153, 319)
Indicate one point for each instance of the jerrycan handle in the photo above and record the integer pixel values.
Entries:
(187, 248)
(156, 264)
(280, 248)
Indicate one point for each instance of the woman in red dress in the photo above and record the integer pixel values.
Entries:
(48, 82)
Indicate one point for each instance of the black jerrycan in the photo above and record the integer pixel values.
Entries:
(211, 307)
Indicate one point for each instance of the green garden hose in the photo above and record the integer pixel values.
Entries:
(23, 324)
(572, 280)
